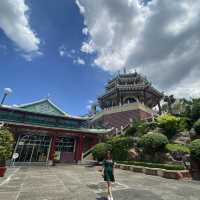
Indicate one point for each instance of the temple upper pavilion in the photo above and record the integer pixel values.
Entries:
(127, 97)
(44, 133)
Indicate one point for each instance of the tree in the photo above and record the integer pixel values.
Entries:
(169, 124)
(153, 142)
(6, 145)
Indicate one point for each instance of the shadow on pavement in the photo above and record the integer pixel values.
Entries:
(101, 198)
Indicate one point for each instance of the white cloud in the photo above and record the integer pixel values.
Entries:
(160, 39)
(90, 101)
(62, 50)
(79, 61)
(89, 106)
(85, 31)
(15, 24)
(87, 47)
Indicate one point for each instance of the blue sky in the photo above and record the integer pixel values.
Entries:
(70, 85)
(70, 48)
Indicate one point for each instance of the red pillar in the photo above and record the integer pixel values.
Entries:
(52, 150)
(79, 148)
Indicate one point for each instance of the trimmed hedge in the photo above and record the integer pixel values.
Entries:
(100, 150)
(169, 124)
(154, 165)
(138, 128)
(197, 126)
(120, 146)
(177, 148)
(153, 142)
(195, 149)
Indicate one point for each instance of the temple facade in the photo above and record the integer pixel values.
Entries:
(127, 97)
(46, 134)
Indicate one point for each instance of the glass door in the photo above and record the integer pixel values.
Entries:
(32, 148)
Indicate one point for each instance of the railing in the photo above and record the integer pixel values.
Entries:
(123, 108)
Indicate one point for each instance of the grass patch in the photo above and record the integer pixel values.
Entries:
(154, 165)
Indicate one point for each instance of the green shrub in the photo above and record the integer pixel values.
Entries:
(100, 150)
(154, 165)
(177, 148)
(169, 124)
(152, 125)
(120, 147)
(153, 142)
(131, 131)
(183, 124)
(138, 128)
(195, 149)
(197, 126)
(6, 144)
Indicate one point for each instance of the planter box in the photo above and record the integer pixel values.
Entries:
(195, 169)
(150, 171)
(2, 171)
(171, 174)
(137, 169)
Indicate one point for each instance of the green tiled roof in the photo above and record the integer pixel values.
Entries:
(45, 106)
(18, 116)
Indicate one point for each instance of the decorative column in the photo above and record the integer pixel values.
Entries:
(79, 148)
(52, 148)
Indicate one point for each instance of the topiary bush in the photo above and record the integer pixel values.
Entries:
(177, 148)
(131, 131)
(100, 150)
(138, 128)
(6, 145)
(195, 149)
(169, 124)
(197, 126)
(154, 165)
(153, 142)
(120, 147)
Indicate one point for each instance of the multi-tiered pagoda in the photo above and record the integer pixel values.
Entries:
(127, 97)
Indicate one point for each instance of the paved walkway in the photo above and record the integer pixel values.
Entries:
(74, 182)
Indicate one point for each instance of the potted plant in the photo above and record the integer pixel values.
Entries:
(6, 147)
(195, 158)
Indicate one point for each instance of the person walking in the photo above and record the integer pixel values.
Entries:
(108, 173)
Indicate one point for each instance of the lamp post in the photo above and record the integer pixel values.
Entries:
(7, 91)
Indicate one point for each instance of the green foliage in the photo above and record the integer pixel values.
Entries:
(138, 128)
(152, 125)
(195, 149)
(192, 110)
(183, 124)
(195, 109)
(6, 144)
(197, 126)
(131, 131)
(177, 148)
(120, 147)
(154, 165)
(100, 150)
(169, 124)
(153, 142)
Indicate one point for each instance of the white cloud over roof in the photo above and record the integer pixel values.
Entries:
(15, 24)
(160, 39)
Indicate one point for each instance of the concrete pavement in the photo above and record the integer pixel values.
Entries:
(76, 182)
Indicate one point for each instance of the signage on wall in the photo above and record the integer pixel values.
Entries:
(15, 156)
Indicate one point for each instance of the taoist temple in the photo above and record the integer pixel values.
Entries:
(44, 133)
